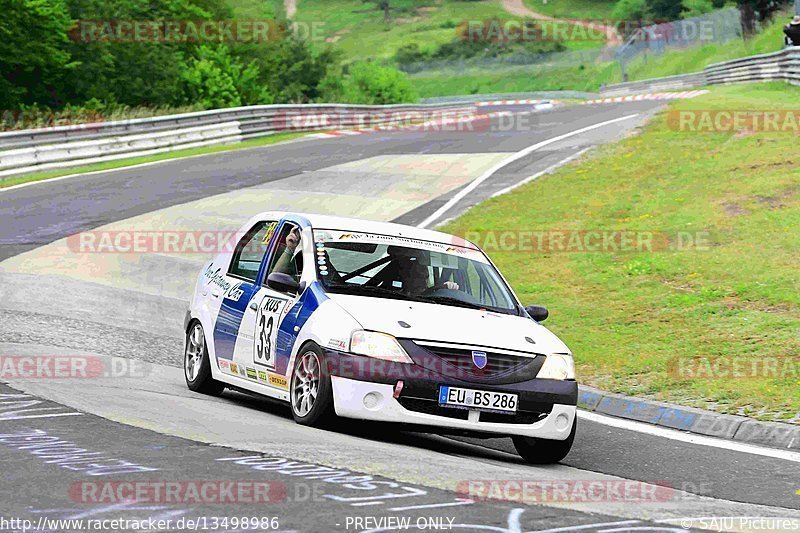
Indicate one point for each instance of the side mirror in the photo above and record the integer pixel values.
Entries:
(538, 313)
(282, 283)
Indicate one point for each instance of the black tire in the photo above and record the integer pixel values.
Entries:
(196, 363)
(312, 381)
(545, 451)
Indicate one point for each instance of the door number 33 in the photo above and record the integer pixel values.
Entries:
(268, 313)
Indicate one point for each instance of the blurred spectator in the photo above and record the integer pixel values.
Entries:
(792, 31)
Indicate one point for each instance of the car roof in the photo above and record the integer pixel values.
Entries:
(369, 226)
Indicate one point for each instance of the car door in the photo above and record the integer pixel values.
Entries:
(268, 316)
(242, 278)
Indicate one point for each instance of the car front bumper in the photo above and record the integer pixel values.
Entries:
(547, 408)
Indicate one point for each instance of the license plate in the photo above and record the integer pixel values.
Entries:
(475, 399)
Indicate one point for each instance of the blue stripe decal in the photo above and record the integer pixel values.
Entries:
(229, 319)
(297, 316)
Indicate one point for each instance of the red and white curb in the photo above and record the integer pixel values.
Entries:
(649, 96)
(535, 103)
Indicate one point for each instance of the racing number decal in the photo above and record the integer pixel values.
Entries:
(267, 321)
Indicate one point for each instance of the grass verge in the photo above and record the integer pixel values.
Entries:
(633, 318)
(574, 9)
(590, 76)
(121, 163)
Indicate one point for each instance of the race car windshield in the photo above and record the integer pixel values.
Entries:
(383, 266)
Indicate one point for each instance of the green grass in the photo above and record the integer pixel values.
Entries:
(358, 31)
(629, 315)
(573, 9)
(256, 9)
(586, 77)
(120, 163)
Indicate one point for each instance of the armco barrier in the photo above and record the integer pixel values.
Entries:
(65, 146)
(671, 83)
(783, 65)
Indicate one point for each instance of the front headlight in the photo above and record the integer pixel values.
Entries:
(379, 346)
(557, 366)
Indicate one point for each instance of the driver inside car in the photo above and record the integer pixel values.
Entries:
(413, 273)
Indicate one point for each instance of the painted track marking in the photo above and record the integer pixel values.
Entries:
(690, 438)
(519, 155)
(548, 170)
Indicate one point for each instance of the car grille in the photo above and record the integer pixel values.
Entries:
(497, 363)
(430, 407)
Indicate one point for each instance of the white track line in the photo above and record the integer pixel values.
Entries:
(589, 526)
(519, 155)
(690, 438)
(542, 173)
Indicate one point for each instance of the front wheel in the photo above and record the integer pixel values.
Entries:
(311, 392)
(544, 451)
(196, 363)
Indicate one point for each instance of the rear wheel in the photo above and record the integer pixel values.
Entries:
(544, 451)
(196, 363)
(311, 392)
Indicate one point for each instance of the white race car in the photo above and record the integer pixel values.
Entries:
(380, 321)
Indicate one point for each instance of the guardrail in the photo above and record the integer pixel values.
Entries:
(65, 146)
(782, 65)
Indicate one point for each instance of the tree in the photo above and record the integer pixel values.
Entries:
(664, 10)
(756, 10)
(125, 69)
(695, 8)
(371, 83)
(33, 55)
(368, 83)
(632, 13)
(215, 79)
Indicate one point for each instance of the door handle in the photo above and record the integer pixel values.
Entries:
(254, 306)
(215, 294)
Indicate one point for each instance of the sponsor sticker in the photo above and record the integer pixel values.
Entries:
(234, 368)
(278, 381)
(460, 246)
(338, 344)
(234, 293)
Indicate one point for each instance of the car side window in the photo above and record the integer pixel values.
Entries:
(287, 257)
(250, 251)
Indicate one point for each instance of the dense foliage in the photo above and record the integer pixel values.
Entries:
(489, 38)
(112, 54)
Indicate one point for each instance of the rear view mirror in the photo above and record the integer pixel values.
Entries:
(538, 313)
(282, 282)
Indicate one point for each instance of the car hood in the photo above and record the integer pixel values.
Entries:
(435, 322)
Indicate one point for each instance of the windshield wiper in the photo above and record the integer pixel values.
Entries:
(454, 301)
(370, 290)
